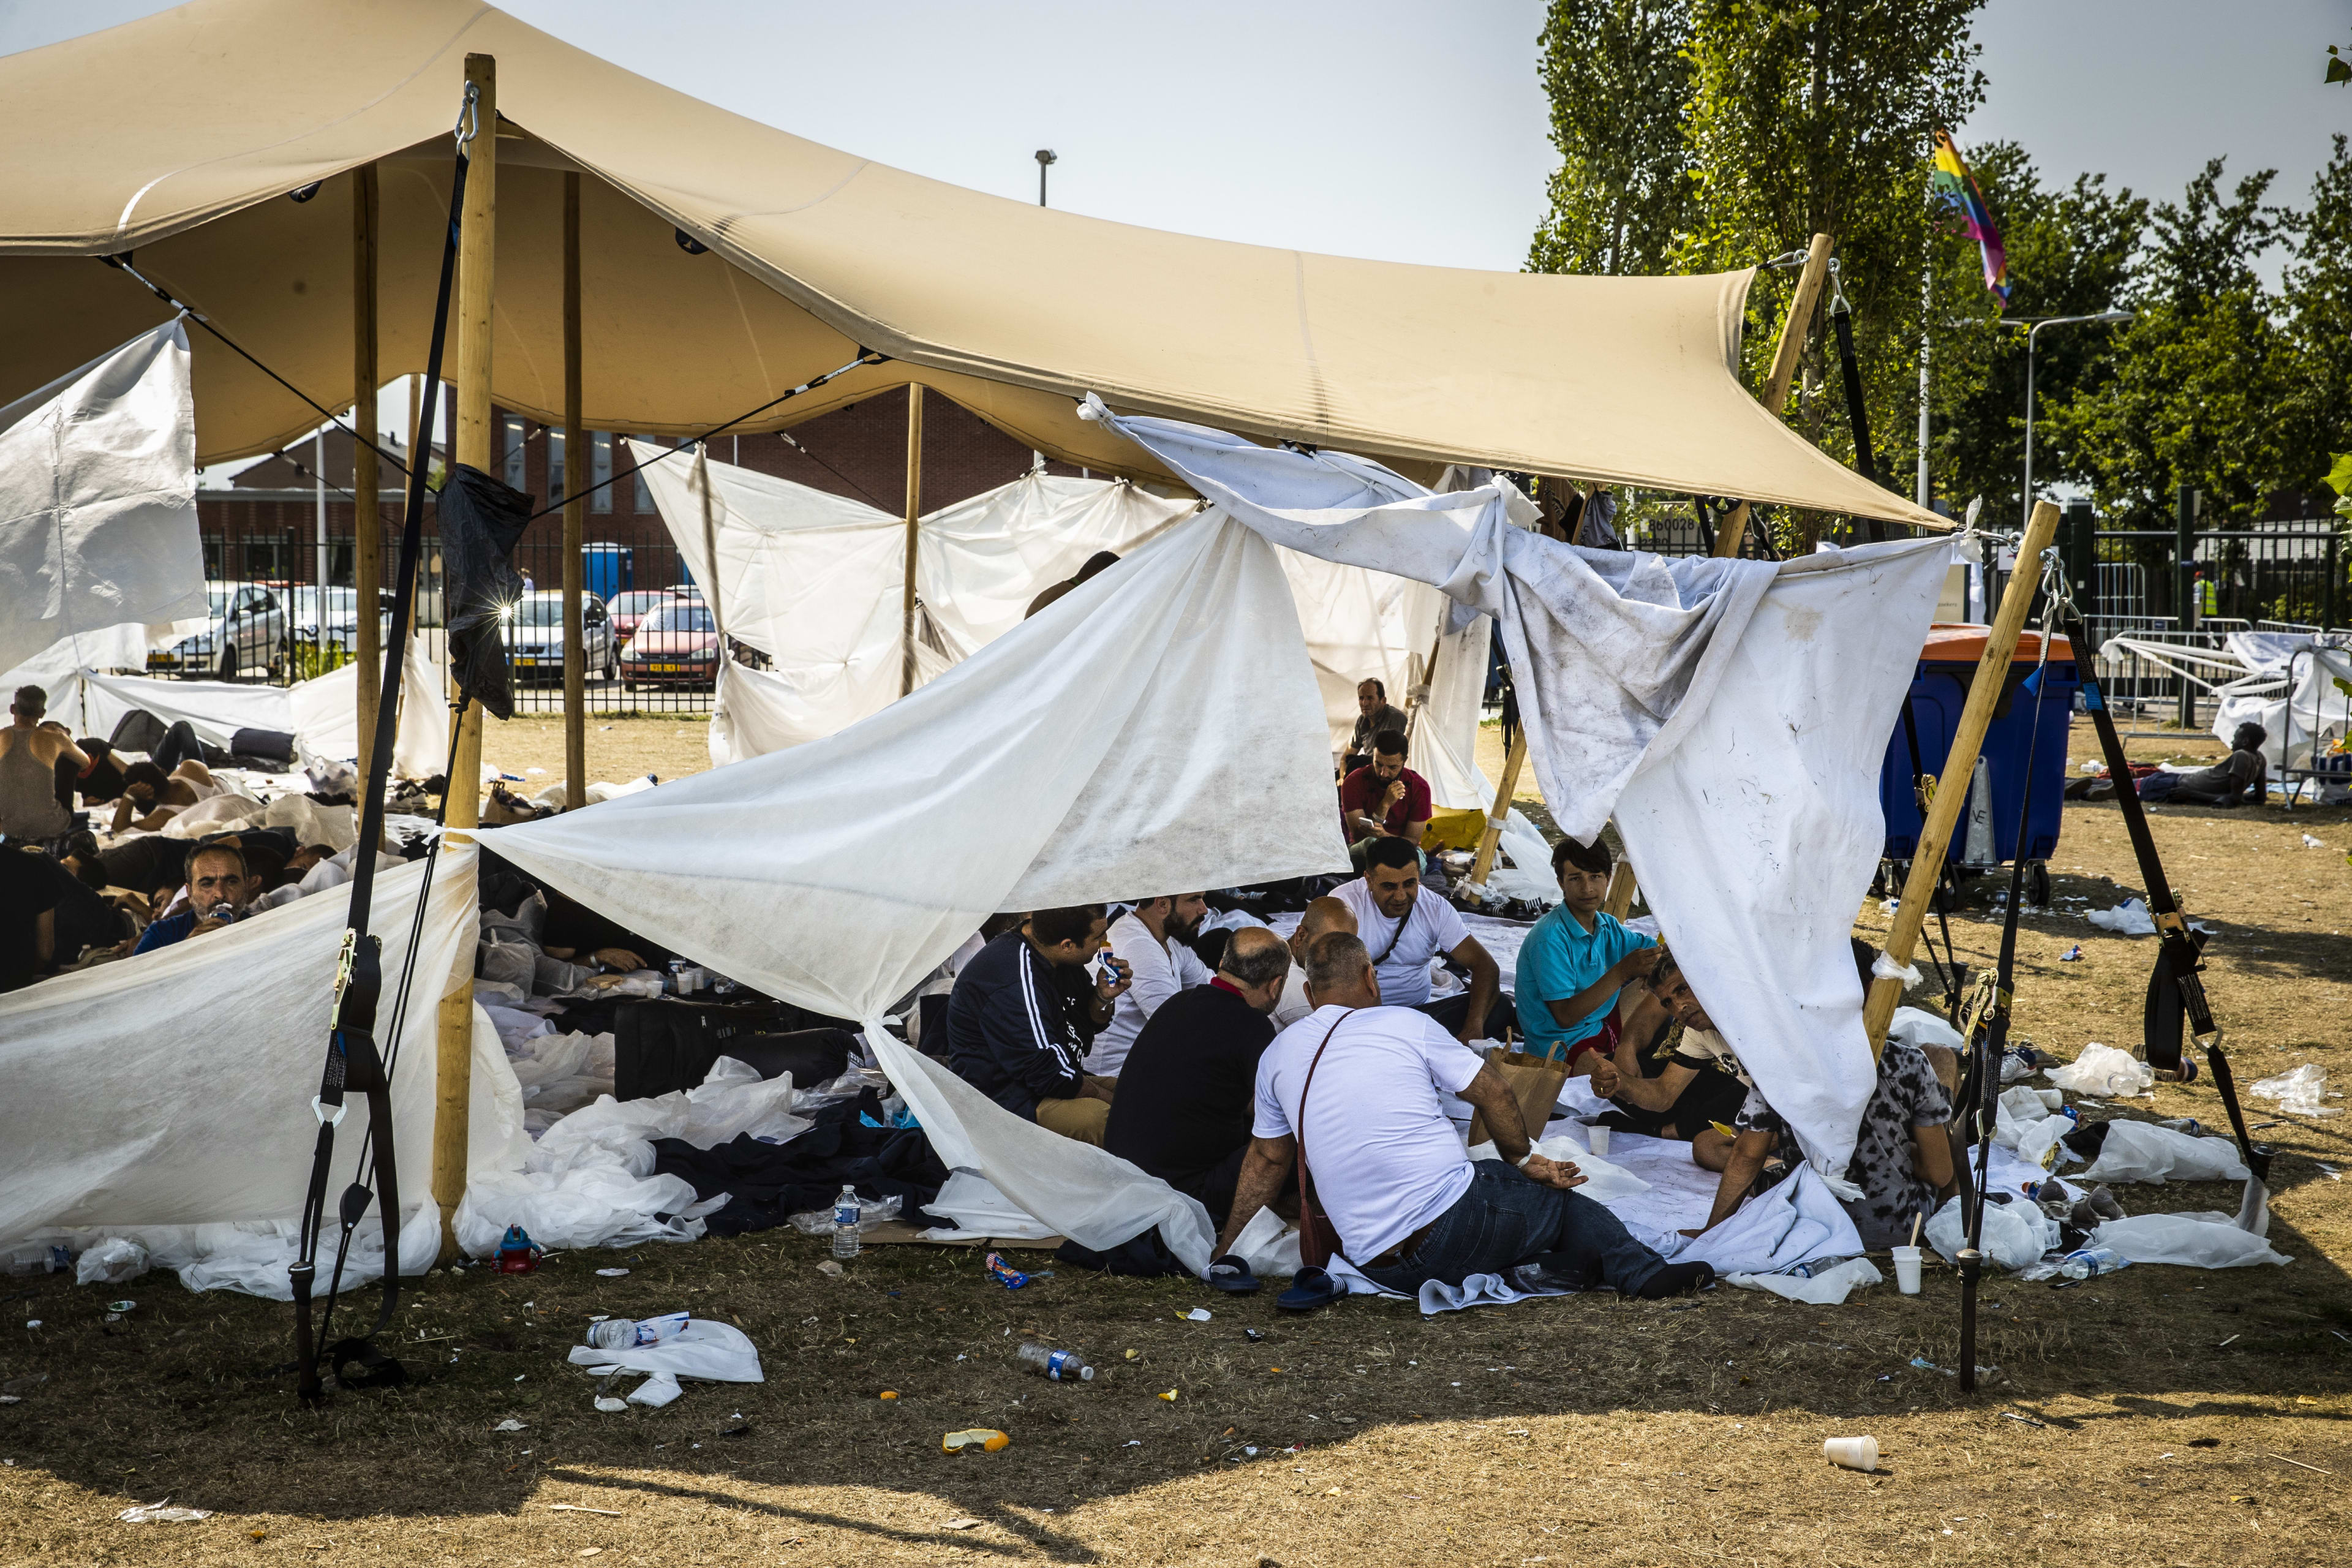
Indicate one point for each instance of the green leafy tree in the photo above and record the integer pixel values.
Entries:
(2071, 253)
(1618, 75)
(2194, 386)
(1817, 118)
(2317, 297)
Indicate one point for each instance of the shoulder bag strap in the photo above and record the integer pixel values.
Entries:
(1317, 1233)
(1395, 936)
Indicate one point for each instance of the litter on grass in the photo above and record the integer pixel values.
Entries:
(987, 1439)
(2298, 1091)
(156, 1513)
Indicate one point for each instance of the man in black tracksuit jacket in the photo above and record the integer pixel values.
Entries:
(1009, 1030)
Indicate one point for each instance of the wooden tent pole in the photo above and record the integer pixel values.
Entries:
(477, 254)
(1793, 332)
(575, 516)
(1959, 767)
(1488, 840)
(1412, 703)
(1618, 902)
(367, 513)
(914, 517)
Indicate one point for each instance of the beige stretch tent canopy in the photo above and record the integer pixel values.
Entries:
(179, 137)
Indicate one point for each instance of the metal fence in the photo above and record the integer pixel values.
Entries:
(263, 560)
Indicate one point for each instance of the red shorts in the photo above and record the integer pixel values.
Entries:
(1604, 1043)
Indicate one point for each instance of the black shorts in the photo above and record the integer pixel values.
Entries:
(1711, 1095)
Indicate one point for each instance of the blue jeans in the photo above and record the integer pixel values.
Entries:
(1506, 1219)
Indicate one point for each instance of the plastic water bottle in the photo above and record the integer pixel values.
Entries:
(846, 1211)
(1061, 1367)
(621, 1333)
(2090, 1261)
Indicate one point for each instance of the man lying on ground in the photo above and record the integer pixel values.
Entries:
(1672, 1075)
(1324, 914)
(219, 888)
(1184, 1110)
(1151, 941)
(29, 755)
(1406, 926)
(1383, 799)
(2240, 776)
(151, 797)
(1009, 1031)
(1575, 960)
(1389, 1168)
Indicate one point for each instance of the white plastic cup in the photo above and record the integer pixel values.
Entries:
(1598, 1139)
(1907, 1272)
(1851, 1453)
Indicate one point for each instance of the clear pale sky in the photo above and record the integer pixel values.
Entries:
(1381, 127)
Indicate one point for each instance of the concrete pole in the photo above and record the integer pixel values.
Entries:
(476, 253)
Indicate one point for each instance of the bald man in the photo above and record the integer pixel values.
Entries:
(1184, 1099)
(1322, 915)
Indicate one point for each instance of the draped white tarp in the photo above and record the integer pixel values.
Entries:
(98, 497)
(1730, 714)
(321, 714)
(816, 582)
(1156, 728)
(175, 1089)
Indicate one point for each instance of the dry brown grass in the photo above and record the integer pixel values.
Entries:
(1579, 1431)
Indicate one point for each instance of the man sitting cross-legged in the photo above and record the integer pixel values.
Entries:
(1389, 1168)
(1405, 926)
(1383, 799)
(1009, 1035)
(1183, 1109)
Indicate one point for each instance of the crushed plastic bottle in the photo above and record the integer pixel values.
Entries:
(621, 1333)
(844, 1223)
(1061, 1367)
(2088, 1262)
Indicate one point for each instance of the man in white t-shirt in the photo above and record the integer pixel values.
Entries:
(1152, 940)
(1325, 914)
(1405, 926)
(1389, 1168)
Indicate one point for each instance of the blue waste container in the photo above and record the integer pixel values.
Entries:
(607, 570)
(1939, 688)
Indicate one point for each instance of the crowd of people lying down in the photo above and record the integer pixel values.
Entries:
(69, 902)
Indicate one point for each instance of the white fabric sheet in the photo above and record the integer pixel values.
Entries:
(175, 1089)
(1062, 763)
(98, 497)
(1732, 714)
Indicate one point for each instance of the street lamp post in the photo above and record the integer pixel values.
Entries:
(2033, 333)
(1045, 157)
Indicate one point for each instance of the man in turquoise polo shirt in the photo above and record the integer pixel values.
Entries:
(1574, 961)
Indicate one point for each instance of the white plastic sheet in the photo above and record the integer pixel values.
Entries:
(1063, 764)
(175, 1089)
(2203, 1240)
(2016, 1233)
(2103, 1072)
(1731, 714)
(2144, 1151)
(98, 497)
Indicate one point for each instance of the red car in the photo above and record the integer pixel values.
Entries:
(630, 608)
(676, 645)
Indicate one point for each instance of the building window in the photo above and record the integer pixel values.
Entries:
(600, 472)
(554, 467)
(640, 497)
(510, 431)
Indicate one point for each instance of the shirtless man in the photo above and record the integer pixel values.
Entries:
(29, 754)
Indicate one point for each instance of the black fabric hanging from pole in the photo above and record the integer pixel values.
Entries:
(480, 520)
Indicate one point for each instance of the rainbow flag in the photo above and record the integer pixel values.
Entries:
(1953, 185)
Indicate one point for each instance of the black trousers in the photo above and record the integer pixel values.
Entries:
(1450, 1011)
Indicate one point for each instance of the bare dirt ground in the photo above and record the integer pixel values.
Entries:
(620, 746)
(2159, 1416)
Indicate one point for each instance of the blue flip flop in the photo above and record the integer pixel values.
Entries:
(1310, 1288)
(1232, 1275)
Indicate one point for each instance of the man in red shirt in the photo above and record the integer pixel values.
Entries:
(1383, 799)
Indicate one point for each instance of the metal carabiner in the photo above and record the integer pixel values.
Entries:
(469, 117)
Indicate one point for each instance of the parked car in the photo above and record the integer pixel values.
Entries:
(677, 644)
(248, 631)
(342, 615)
(535, 639)
(634, 606)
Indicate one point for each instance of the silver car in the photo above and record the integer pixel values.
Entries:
(535, 639)
(248, 632)
(342, 615)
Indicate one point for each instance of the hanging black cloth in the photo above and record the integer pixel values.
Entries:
(481, 520)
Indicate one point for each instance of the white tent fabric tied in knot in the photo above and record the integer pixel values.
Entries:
(1730, 715)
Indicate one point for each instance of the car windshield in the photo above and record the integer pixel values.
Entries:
(219, 599)
(539, 610)
(637, 604)
(680, 618)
